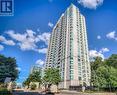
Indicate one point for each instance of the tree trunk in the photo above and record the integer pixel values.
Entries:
(109, 86)
(49, 85)
(57, 87)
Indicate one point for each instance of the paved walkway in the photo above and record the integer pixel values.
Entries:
(36, 93)
(67, 92)
(86, 94)
(63, 92)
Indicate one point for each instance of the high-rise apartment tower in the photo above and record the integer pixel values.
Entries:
(68, 49)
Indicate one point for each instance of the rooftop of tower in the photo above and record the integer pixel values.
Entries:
(71, 5)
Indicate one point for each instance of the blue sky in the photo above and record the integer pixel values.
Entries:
(25, 35)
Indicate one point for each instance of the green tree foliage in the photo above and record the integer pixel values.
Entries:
(33, 86)
(97, 63)
(52, 76)
(33, 77)
(94, 66)
(104, 73)
(8, 68)
(27, 82)
(112, 60)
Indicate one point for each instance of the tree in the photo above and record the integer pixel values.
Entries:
(97, 63)
(33, 77)
(112, 61)
(8, 68)
(52, 76)
(33, 86)
(107, 77)
(36, 77)
(27, 82)
(94, 66)
(104, 73)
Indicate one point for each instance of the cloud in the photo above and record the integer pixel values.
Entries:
(1, 47)
(103, 50)
(40, 62)
(26, 41)
(29, 39)
(112, 35)
(100, 53)
(42, 50)
(43, 37)
(16, 36)
(98, 37)
(92, 4)
(50, 24)
(94, 53)
(18, 68)
(7, 42)
(30, 33)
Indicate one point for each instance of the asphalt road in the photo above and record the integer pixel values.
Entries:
(26, 93)
(21, 92)
(29, 93)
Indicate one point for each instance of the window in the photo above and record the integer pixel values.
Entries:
(71, 77)
(80, 78)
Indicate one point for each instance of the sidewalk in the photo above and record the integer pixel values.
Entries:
(67, 92)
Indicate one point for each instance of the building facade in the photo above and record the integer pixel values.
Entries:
(37, 68)
(68, 49)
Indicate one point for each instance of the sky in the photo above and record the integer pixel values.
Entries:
(25, 35)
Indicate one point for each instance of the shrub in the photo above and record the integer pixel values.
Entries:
(33, 86)
(4, 91)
